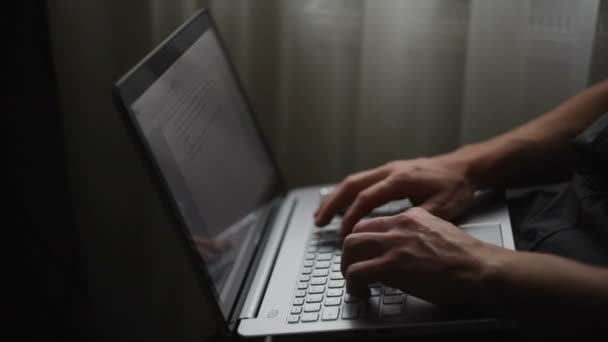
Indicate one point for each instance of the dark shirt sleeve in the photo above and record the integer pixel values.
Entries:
(571, 219)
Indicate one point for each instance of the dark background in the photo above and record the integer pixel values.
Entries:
(47, 286)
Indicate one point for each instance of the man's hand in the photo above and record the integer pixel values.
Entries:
(438, 185)
(418, 253)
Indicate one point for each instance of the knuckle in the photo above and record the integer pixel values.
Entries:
(417, 211)
(384, 263)
(351, 273)
(401, 178)
(434, 234)
(404, 219)
(400, 255)
(377, 244)
(394, 236)
(360, 226)
(395, 258)
(349, 181)
(365, 196)
(349, 242)
(391, 165)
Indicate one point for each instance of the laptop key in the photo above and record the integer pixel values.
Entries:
(318, 281)
(331, 313)
(302, 286)
(305, 277)
(322, 264)
(392, 310)
(337, 259)
(333, 301)
(375, 291)
(324, 256)
(320, 273)
(298, 301)
(312, 307)
(310, 256)
(336, 276)
(309, 263)
(307, 270)
(315, 298)
(332, 228)
(296, 309)
(370, 308)
(326, 249)
(300, 293)
(335, 292)
(311, 249)
(310, 317)
(393, 299)
(293, 318)
(331, 240)
(336, 268)
(351, 311)
(316, 289)
(336, 284)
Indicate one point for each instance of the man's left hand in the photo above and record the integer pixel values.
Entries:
(418, 253)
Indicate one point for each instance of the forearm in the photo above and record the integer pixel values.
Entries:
(538, 150)
(541, 289)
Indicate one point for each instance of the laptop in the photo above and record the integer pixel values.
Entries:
(260, 259)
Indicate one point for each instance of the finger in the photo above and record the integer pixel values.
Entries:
(360, 247)
(345, 192)
(372, 197)
(374, 225)
(438, 206)
(447, 205)
(359, 275)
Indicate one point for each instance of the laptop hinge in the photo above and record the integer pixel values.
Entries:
(269, 253)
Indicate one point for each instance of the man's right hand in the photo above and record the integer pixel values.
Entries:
(438, 185)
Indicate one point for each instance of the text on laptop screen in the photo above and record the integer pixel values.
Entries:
(202, 135)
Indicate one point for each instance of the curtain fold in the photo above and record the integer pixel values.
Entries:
(341, 85)
(358, 83)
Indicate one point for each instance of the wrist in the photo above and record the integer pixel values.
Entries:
(495, 275)
(468, 162)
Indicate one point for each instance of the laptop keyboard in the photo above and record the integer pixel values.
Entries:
(320, 293)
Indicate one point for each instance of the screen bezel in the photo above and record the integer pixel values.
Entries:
(134, 84)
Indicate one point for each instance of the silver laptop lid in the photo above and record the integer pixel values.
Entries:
(187, 111)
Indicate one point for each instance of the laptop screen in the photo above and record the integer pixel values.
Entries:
(200, 132)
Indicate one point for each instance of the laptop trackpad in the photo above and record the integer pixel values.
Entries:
(487, 232)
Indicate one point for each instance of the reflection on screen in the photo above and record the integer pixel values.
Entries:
(209, 151)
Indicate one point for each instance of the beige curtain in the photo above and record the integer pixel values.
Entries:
(337, 85)
(357, 83)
